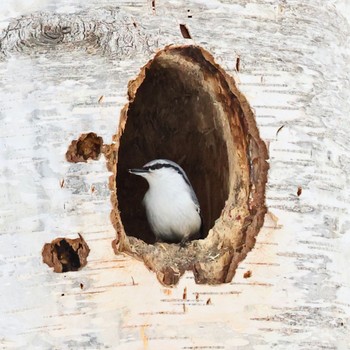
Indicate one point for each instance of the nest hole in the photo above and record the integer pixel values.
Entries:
(64, 254)
(185, 108)
(88, 146)
(172, 117)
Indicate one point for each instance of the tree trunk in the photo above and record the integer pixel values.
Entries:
(65, 71)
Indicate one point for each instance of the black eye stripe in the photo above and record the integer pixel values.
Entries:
(165, 165)
(158, 166)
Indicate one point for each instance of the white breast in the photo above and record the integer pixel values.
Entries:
(171, 211)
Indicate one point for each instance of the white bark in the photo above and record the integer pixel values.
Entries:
(294, 59)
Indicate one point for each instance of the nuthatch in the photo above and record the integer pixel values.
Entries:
(172, 207)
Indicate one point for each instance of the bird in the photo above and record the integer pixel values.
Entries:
(172, 208)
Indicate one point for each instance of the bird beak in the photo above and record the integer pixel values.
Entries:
(138, 171)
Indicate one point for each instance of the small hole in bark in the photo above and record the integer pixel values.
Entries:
(185, 108)
(64, 254)
(88, 146)
(238, 60)
(299, 191)
(247, 274)
(185, 32)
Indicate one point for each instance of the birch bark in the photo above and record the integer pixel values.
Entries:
(57, 60)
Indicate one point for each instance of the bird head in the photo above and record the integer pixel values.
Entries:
(161, 170)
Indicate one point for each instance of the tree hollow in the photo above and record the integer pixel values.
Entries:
(185, 108)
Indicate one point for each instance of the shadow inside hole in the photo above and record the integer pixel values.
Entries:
(174, 117)
(67, 256)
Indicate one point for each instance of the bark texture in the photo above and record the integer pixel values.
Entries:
(65, 71)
